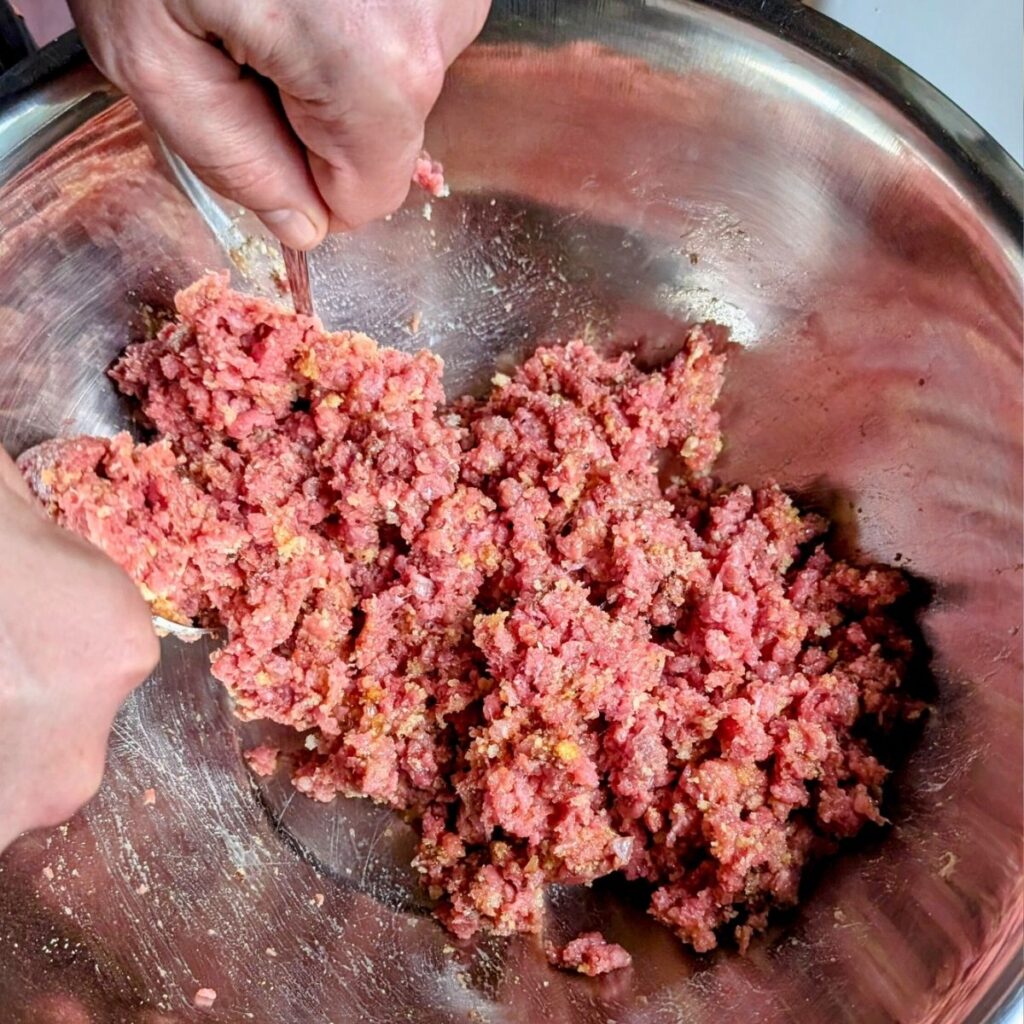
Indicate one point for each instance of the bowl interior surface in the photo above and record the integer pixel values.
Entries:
(621, 170)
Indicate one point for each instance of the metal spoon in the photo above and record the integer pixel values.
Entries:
(224, 228)
(187, 634)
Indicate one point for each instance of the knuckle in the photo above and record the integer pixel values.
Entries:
(234, 178)
(395, 194)
(376, 199)
(87, 784)
(139, 655)
(423, 73)
(127, 617)
(63, 797)
(139, 650)
(139, 74)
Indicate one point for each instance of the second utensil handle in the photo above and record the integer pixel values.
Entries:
(296, 268)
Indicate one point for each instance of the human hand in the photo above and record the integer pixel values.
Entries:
(356, 80)
(75, 638)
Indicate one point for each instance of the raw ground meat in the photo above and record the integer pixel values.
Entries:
(262, 759)
(589, 953)
(429, 175)
(497, 617)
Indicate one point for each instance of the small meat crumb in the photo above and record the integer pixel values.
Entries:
(149, 797)
(429, 175)
(590, 953)
(263, 759)
(204, 999)
(48, 873)
(318, 899)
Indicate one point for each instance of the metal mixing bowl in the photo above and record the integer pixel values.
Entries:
(630, 166)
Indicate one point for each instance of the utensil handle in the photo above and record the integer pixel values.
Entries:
(296, 268)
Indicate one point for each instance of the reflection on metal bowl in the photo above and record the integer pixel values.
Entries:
(627, 168)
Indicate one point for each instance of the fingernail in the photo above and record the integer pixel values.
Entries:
(292, 227)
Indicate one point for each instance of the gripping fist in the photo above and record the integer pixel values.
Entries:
(308, 112)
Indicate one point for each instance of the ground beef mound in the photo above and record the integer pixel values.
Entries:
(497, 617)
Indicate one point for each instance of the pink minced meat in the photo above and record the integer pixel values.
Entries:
(590, 953)
(429, 175)
(263, 759)
(495, 617)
